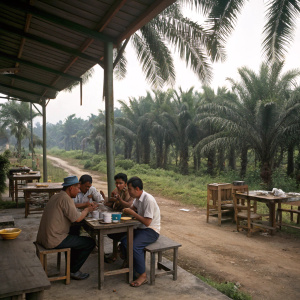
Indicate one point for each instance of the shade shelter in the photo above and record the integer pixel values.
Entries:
(47, 45)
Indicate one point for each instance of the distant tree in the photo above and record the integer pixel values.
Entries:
(16, 117)
(264, 115)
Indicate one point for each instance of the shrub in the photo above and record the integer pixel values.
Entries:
(88, 164)
(4, 165)
(125, 164)
(96, 159)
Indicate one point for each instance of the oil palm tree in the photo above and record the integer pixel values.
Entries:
(262, 116)
(196, 45)
(16, 117)
(277, 33)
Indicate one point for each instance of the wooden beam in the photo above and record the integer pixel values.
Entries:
(10, 29)
(20, 90)
(16, 77)
(34, 65)
(157, 7)
(23, 7)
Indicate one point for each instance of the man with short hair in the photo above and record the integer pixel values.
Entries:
(145, 210)
(59, 213)
(119, 197)
(87, 192)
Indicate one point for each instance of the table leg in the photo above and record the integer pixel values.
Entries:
(130, 252)
(35, 296)
(27, 196)
(100, 260)
(272, 216)
(16, 192)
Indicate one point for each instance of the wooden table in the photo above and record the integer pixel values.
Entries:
(21, 271)
(51, 189)
(269, 200)
(103, 229)
(10, 173)
(28, 177)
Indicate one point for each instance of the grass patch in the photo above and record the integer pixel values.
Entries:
(230, 289)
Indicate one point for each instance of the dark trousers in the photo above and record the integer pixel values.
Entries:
(141, 239)
(81, 247)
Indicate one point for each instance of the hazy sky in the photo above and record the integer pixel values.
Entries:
(243, 49)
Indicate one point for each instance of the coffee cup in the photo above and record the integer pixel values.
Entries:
(107, 217)
(95, 214)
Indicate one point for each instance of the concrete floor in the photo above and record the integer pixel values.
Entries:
(187, 286)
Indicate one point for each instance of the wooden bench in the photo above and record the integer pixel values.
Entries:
(7, 221)
(42, 253)
(21, 272)
(162, 244)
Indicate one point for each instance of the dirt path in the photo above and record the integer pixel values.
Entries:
(267, 267)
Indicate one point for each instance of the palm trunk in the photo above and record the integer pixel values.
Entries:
(221, 160)
(211, 162)
(244, 162)
(290, 160)
(232, 160)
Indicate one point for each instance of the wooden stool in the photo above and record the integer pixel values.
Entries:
(162, 244)
(42, 252)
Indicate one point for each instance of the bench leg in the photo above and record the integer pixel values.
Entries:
(68, 265)
(175, 260)
(152, 268)
(35, 296)
(58, 261)
(159, 260)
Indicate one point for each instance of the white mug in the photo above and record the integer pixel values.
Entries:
(107, 217)
(95, 214)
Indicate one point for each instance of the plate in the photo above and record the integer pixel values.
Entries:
(32, 172)
(126, 218)
(102, 222)
(42, 185)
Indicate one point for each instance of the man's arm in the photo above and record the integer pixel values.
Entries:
(85, 212)
(143, 220)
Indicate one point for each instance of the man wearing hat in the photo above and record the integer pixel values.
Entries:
(59, 213)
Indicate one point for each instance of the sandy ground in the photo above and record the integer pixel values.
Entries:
(267, 267)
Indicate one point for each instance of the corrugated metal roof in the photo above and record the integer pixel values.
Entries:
(49, 44)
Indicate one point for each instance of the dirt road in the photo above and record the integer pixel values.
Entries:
(267, 267)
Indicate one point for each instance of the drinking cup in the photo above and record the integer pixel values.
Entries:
(95, 214)
(107, 217)
(116, 217)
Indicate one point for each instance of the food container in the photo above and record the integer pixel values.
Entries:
(116, 217)
(10, 233)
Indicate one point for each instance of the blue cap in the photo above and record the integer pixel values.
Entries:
(70, 180)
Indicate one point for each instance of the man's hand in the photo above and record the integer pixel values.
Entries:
(128, 211)
(102, 194)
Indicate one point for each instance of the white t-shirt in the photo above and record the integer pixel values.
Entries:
(147, 207)
(83, 198)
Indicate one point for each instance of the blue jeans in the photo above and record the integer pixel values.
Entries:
(81, 247)
(141, 239)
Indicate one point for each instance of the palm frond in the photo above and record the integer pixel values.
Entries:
(281, 23)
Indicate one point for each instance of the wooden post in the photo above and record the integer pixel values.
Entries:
(45, 176)
(109, 113)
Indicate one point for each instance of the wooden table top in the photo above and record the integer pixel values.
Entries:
(96, 224)
(21, 270)
(51, 186)
(268, 198)
(24, 176)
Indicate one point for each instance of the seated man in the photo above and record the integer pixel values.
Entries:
(120, 197)
(59, 213)
(87, 192)
(145, 210)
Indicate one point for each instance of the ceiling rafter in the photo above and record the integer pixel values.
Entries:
(34, 65)
(10, 29)
(23, 7)
(19, 89)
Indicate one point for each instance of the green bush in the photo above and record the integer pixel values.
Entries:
(4, 165)
(96, 159)
(125, 164)
(88, 164)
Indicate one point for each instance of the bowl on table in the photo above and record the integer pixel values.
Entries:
(10, 233)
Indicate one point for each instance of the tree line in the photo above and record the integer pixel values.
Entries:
(258, 119)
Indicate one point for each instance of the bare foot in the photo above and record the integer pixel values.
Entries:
(140, 281)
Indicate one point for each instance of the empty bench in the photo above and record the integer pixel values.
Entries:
(21, 272)
(42, 253)
(6, 222)
(162, 244)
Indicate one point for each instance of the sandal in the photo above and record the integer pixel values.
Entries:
(136, 284)
(109, 259)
